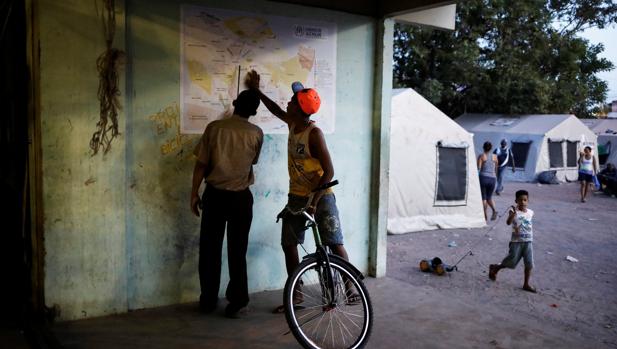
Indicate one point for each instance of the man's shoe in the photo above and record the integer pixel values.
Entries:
(233, 312)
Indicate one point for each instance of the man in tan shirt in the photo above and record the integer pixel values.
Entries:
(225, 157)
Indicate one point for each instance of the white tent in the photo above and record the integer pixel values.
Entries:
(606, 130)
(538, 142)
(433, 177)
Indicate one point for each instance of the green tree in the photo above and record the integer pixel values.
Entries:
(508, 57)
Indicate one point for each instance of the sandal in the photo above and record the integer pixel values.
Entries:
(492, 272)
(353, 299)
(529, 289)
(494, 216)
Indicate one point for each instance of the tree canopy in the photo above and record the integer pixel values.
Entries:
(510, 57)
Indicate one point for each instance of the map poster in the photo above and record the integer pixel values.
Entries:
(220, 46)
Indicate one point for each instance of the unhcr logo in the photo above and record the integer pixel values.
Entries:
(309, 32)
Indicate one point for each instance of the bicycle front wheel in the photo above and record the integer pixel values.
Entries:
(327, 316)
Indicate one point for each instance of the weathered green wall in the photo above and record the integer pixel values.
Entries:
(118, 231)
(83, 197)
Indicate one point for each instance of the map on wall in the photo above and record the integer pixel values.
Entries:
(220, 46)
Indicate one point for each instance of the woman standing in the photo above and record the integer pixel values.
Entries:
(587, 168)
(487, 165)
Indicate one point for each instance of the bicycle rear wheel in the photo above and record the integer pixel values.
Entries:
(318, 322)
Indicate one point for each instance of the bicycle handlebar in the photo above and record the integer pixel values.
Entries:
(302, 211)
(325, 186)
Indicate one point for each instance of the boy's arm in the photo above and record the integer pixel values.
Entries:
(511, 215)
(319, 150)
(252, 82)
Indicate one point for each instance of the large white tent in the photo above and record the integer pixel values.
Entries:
(433, 177)
(538, 142)
(606, 130)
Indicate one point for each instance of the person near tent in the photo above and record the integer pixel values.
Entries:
(309, 165)
(225, 157)
(587, 169)
(487, 165)
(504, 155)
(608, 179)
(520, 247)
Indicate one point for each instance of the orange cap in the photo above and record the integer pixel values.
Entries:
(309, 100)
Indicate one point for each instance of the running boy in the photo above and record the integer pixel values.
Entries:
(521, 243)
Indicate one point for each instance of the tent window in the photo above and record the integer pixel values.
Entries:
(451, 174)
(604, 150)
(520, 150)
(555, 154)
(572, 153)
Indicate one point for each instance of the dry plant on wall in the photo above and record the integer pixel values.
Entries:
(107, 65)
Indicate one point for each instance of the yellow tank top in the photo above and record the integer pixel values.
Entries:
(305, 171)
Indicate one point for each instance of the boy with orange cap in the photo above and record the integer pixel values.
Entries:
(310, 166)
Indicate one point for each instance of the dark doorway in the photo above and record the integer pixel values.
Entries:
(16, 300)
(520, 151)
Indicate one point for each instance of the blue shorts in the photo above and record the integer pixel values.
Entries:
(517, 251)
(326, 216)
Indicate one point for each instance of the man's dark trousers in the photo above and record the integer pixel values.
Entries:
(220, 208)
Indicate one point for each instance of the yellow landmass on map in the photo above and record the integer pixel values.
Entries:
(307, 57)
(288, 71)
(252, 28)
(199, 75)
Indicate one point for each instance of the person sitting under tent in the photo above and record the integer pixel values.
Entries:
(608, 179)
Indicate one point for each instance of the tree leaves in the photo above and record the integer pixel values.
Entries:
(508, 57)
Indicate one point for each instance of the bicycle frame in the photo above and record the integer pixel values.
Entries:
(322, 255)
(330, 282)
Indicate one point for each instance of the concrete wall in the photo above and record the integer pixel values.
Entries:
(84, 198)
(119, 234)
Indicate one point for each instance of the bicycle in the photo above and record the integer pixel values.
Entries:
(326, 303)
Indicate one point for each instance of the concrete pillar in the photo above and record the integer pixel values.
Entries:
(381, 148)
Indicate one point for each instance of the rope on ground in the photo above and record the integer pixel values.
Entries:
(470, 252)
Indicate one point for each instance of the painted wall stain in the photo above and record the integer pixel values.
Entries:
(167, 124)
(89, 181)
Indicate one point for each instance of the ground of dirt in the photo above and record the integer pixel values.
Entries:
(576, 298)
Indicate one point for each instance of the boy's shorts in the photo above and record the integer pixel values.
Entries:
(326, 216)
(517, 251)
